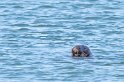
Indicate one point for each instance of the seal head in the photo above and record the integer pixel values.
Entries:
(81, 51)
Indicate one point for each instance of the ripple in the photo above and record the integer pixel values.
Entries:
(47, 25)
(23, 29)
(113, 32)
(21, 25)
(18, 7)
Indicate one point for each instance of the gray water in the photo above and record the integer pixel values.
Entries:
(36, 37)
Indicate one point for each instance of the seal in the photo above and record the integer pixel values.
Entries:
(81, 51)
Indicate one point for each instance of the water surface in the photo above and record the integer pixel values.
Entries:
(36, 37)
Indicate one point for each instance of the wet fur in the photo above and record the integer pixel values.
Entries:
(80, 51)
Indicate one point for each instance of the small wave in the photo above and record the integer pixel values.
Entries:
(21, 25)
(18, 7)
(112, 32)
(23, 29)
(49, 25)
